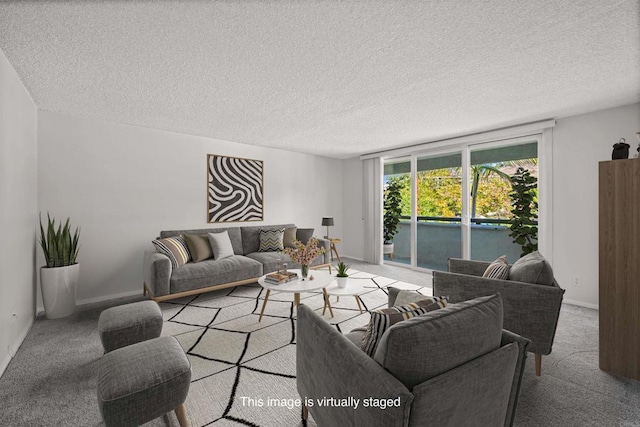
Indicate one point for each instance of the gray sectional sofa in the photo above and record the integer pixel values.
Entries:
(163, 282)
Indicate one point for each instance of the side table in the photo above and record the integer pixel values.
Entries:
(353, 288)
(333, 249)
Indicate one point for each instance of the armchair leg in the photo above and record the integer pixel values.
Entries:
(181, 413)
(538, 364)
(305, 412)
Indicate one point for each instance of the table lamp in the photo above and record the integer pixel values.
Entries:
(327, 222)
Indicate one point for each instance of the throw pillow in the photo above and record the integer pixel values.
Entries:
(289, 237)
(199, 247)
(382, 319)
(271, 240)
(532, 268)
(175, 248)
(304, 234)
(498, 269)
(220, 245)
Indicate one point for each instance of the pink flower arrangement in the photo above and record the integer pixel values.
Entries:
(304, 254)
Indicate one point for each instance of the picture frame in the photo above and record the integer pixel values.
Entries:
(235, 188)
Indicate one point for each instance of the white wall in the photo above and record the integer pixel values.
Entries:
(18, 209)
(579, 143)
(124, 184)
(352, 202)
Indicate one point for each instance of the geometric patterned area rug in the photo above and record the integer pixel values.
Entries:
(238, 362)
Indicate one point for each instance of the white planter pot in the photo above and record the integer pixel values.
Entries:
(387, 248)
(342, 281)
(59, 286)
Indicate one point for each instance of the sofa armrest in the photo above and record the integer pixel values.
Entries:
(530, 310)
(466, 266)
(393, 295)
(326, 244)
(157, 273)
(329, 365)
(523, 344)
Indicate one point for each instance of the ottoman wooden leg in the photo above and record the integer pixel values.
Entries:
(305, 412)
(181, 413)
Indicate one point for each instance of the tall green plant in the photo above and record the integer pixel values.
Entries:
(391, 209)
(524, 207)
(60, 248)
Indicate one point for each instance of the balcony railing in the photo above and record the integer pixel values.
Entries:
(478, 221)
(439, 238)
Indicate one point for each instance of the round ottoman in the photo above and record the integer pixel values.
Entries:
(129, 324)
(143, 381)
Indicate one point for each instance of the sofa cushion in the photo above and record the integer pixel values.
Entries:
(426, 346)
(251, 236)
(271, 240)
(289, 237)
(304, 234)
(220, 245)
(532, 268)
(356, 336)
(212, 272)
(270, 260)
(234, 235)
(498, 269)
(383, 319)
(406, 297)
(175, 248)
(199, 247)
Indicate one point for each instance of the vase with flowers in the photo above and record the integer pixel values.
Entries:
(304, 254)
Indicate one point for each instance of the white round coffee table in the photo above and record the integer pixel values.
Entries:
(354, 288)
(321, 279)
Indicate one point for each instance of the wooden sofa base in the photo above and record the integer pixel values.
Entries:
(147, 291)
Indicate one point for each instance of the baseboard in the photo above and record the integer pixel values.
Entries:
(580, 303)
(14, 348)
(40, 309)
(353, 258)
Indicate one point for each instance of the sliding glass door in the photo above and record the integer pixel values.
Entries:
(397, 173)
(456, 203)
(492, 167)
(438, 210)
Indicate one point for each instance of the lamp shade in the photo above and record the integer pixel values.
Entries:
(327, 221)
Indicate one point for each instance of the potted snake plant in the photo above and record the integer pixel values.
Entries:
(341, 275)
(59, 277)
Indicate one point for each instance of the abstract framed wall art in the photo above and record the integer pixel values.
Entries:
(234, 189)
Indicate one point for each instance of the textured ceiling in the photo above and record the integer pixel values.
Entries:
(333, 78)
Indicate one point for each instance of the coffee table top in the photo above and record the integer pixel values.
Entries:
(322, 278)
(354, 287)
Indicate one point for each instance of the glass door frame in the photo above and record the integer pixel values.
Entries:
(543, 140)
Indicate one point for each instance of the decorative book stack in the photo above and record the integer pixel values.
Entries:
(281, 277)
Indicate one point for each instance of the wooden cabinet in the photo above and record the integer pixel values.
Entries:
(619, 223)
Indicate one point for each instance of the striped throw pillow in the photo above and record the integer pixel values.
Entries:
(383, 319)
(175, 248)
(271, 240)
(498, 269)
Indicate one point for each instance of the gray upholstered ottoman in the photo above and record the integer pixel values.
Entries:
(143, 381)
(129, 324)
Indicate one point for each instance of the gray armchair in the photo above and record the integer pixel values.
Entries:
(450, 367)
(530, 310)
